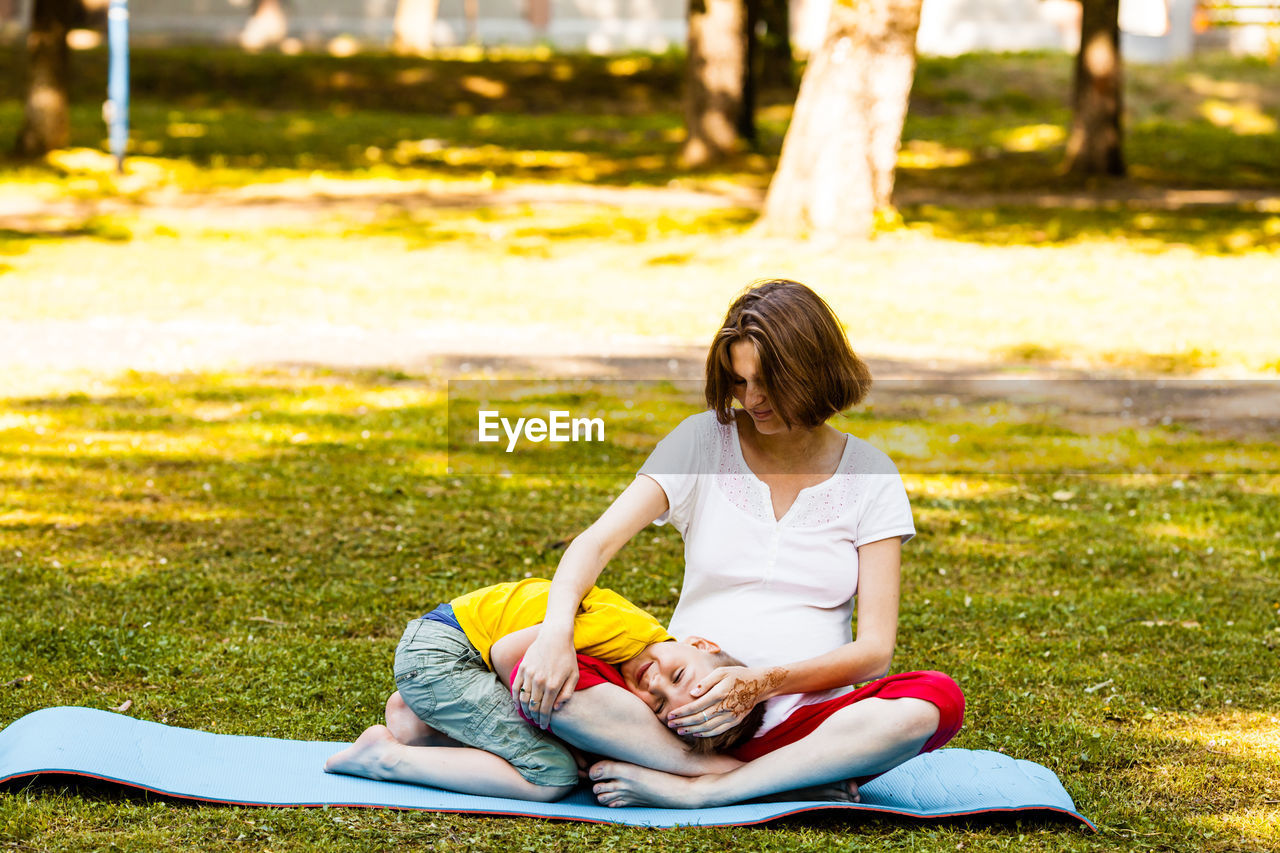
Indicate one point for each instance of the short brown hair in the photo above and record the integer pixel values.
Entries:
(734, 737)
(807, 367)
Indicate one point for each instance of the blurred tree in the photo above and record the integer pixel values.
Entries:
(267, 26)
(773, 29)
(46, 122)
(538, 14)
(838, 158)
(767, 63)
(1095, 146)
(716, 66)
(414, 26)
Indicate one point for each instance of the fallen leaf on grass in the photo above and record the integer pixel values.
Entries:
(22, 679)
(124, 706)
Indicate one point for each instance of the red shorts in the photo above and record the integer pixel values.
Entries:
(934, 687)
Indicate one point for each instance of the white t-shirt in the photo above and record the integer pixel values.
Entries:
(771, 591)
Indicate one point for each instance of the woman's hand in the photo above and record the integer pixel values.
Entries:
(546, 679)
(724, 698)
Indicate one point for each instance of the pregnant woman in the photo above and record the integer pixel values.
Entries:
(788, 525)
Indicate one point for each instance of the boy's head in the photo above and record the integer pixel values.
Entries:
(664, 673)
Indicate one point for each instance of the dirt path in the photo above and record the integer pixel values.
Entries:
(51, 358)
(297, 203)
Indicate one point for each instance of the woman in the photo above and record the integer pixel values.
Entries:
(787, 524)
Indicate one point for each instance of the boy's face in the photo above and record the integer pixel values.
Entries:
(664, 673)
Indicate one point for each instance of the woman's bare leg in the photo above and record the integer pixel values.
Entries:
(869, 737)
(609, 720)
(407, 728)
(376, 754)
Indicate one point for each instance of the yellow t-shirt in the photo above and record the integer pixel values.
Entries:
(607, 626)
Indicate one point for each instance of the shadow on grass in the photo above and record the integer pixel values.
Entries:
(15, 240)
(1217, 230)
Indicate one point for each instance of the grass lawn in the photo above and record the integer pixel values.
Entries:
(238, 553)
(237, 549)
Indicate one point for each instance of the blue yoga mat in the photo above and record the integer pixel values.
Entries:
(271, 772)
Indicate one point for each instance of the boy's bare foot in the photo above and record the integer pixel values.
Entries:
(617, 784)
(374, 754)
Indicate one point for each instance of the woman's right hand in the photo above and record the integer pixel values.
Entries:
(546, 679)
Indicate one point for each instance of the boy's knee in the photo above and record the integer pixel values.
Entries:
(550, 767)
(550, 793)
(396, 704)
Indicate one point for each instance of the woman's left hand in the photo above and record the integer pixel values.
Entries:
(723, 699)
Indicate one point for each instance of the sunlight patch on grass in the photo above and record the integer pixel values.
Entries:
(26, 518)
(627, 66)
(927, 154)
(946, 486)
(1250, 824)
(186, 130)
(1180, 531)
(1242, 117)
(1250, 735)
(485, 87)
(1032, 137)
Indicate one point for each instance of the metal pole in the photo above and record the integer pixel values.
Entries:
(117, 106)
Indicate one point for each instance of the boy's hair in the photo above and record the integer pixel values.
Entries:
(736, 736)
(806, 364)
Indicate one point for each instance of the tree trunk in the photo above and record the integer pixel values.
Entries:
(538, 14)
(414, 26)
(471, 11)
(841, 149)
(1095, 144)
(777, 63)
(746, 124)
(47, 124)
(267, 25)
(713, 79)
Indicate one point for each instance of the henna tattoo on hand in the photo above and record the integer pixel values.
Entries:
(746, 692)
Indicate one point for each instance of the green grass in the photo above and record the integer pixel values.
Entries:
(984, 123)
(238, 553)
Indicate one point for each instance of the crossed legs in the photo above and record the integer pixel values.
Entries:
(408, 750)
(863, 739)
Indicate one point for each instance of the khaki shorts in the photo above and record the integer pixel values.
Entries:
(444, 680)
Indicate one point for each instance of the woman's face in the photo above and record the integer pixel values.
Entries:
(748, 390)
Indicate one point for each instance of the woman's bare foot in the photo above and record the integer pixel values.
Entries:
(374, 755)
(836, 792)
(617, 784)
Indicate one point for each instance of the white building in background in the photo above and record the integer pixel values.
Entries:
(1155, 30)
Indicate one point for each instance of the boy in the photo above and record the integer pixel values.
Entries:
(453, 724)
